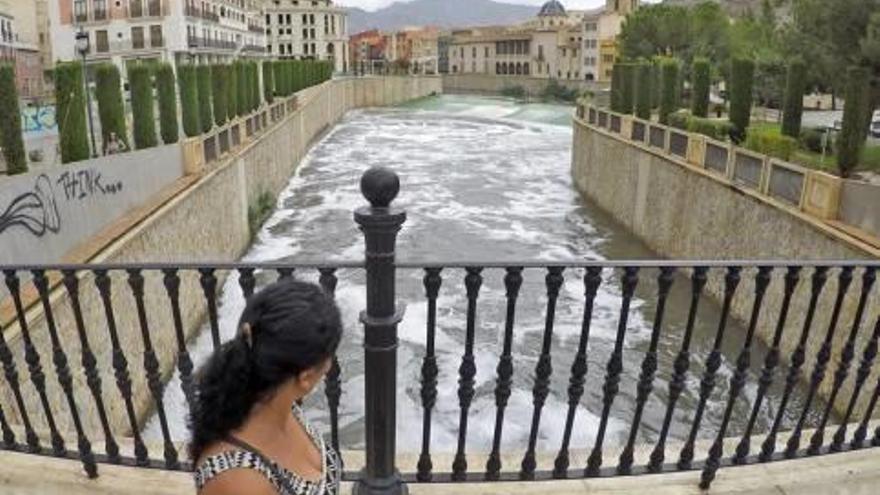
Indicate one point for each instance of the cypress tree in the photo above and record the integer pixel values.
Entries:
(220, 79)
(852, 136)
(795, 86)
(269, 81)
(167, 103)
(141, 84)
(206, 116)
(187, 81)
(278, 77)
(657, 86)
(668, 102)
(644, 91)
(701, 80)
(232, 91)
(111, 109)
(627, 91)
(616, 87)
(10, 123)
(243, 98)
(71, 112)
(742, 72)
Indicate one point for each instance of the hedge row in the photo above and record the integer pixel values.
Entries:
(10, 123)
(167, 104)
(701, 80)
(71, 112)
(111, 107)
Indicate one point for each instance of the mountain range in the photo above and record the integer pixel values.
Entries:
(441, 13)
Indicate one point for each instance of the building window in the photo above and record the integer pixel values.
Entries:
(487, 52)
(474, 52)
(281, 49)
(156, 36)
(135, 8)
(137, 38)
(526, 69)
(100, 9)
(102, 43)
(154, 8)
(80, 12)
(305, 19)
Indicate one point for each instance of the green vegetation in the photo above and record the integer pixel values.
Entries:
(644, 90)
(167, 103)
(268, 81)
(220, 80)
(794, 99)
(111, 109)
(140, 79)
(812, 140)
(742, 77)
(715, 129)
(552, 92)
(10, 123)
(771, 143)
(701, 81)
(206, 117)
(243, 88)
(668, 101)
(852, 137)
(616, 86)
(187, 82)
(71, 112)
(259, 212)
(232, 91)
(517, 92)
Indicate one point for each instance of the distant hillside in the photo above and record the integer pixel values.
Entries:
(734, 8)
(442, 13)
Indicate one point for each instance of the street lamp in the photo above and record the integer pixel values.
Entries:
(82, 46)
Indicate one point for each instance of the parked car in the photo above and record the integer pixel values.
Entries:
(875, 125)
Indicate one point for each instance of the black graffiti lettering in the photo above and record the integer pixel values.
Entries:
(84, 184)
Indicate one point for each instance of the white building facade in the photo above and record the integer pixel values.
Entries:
(307, 29)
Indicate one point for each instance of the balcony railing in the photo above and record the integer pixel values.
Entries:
(135, 9)
(197, 42)
(129, 308)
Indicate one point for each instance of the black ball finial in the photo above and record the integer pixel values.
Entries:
(380, 186)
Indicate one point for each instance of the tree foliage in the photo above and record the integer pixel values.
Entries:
(187, 82)
(852, 136)
(741, 83)
(206, 114)
(644, 90)
(794, 99)
(701, 81)
(71, 112)
(140, 80)
(111, 108)
(167, 103)
(10, 123)
(671, 83)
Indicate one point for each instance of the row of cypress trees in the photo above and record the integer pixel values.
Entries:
(208, 94)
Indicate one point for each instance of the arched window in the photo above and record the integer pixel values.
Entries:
(504, 69)
(518, 69)
(497, 68)
(526, 69)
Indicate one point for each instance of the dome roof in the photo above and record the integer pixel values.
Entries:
(552, 8)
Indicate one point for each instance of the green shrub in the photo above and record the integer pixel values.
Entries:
(140, 81)
(71, 112)
(219, 82)
(10, 123)
(742, 72)
(111, 109)
(280, 75)
(811, 139)
(852, 136)
(657, 84)
(795, 87)
(187, 82)
(617, 83)
(678, 119)
(715, 129)
(167, 103)
(244, 89)
(206, 115)
(627, 91)
(268, 81)
(668, 103)
(771, 143)
(701, 80)
(644, 91)
(232, 91)
(256, 90)
(554, 91)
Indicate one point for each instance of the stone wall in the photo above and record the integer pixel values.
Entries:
(682, 211)
(486, 84)
(206, 222)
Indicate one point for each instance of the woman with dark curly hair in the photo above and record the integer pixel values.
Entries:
(249, 436)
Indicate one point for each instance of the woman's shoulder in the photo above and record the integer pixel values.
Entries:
(223, 469)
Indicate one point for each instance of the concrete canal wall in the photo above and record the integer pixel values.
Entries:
(684, 203)
(198, 214)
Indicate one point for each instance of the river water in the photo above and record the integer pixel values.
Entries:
(483, 179)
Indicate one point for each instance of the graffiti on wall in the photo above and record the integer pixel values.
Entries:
(39, 119)
(37, 210)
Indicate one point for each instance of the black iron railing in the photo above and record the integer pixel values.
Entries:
(117, 314)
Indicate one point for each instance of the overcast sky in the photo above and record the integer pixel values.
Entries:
(572, 4)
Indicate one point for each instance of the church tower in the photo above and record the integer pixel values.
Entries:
(622, 7)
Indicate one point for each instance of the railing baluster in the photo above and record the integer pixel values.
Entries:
(543, 370)
(849, 351)
(171, 280)
(467, 371)
(332, 384)
(512, 283)
(432, 282)
(592, 280)
(682, 362)
(11, 373)
(738, 381)
(285, 273)
(843, 283)
(246, 281)
(862, 374)
(89, 364)
(771, 360)
(151, 365)
(870, 354)
(208, 281)
(820, 276)
(649, 368)
(8, 435)
(613, 370)
(120, 366)
(62, 371)
(32, 358)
